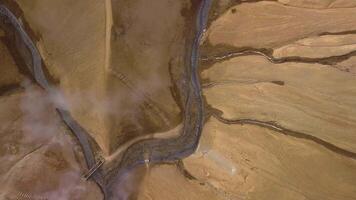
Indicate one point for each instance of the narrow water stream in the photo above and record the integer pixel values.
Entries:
(160, 150)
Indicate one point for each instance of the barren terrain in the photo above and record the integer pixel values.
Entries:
(178, 99)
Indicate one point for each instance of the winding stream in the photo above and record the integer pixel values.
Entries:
(41, 79)
(160, 150)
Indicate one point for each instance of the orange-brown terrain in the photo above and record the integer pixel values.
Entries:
(178, 99)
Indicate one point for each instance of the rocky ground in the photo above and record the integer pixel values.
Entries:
(116, 70)
(278, 79)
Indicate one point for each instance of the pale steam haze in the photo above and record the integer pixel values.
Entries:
(43, 133)
(42, 125)
(69, 187)
(127, 186)
(39, 118)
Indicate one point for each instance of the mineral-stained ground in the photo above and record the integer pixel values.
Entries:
(178, 99)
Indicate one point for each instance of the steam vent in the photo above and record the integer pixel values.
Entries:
(177, 99)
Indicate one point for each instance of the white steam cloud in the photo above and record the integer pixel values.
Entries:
(41, 126)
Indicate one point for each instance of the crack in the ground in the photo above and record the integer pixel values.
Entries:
(285, 131)
(211, 84)
(226, 195)
(268, 54)
(348, 32)
(184, 171)
(239, 2)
